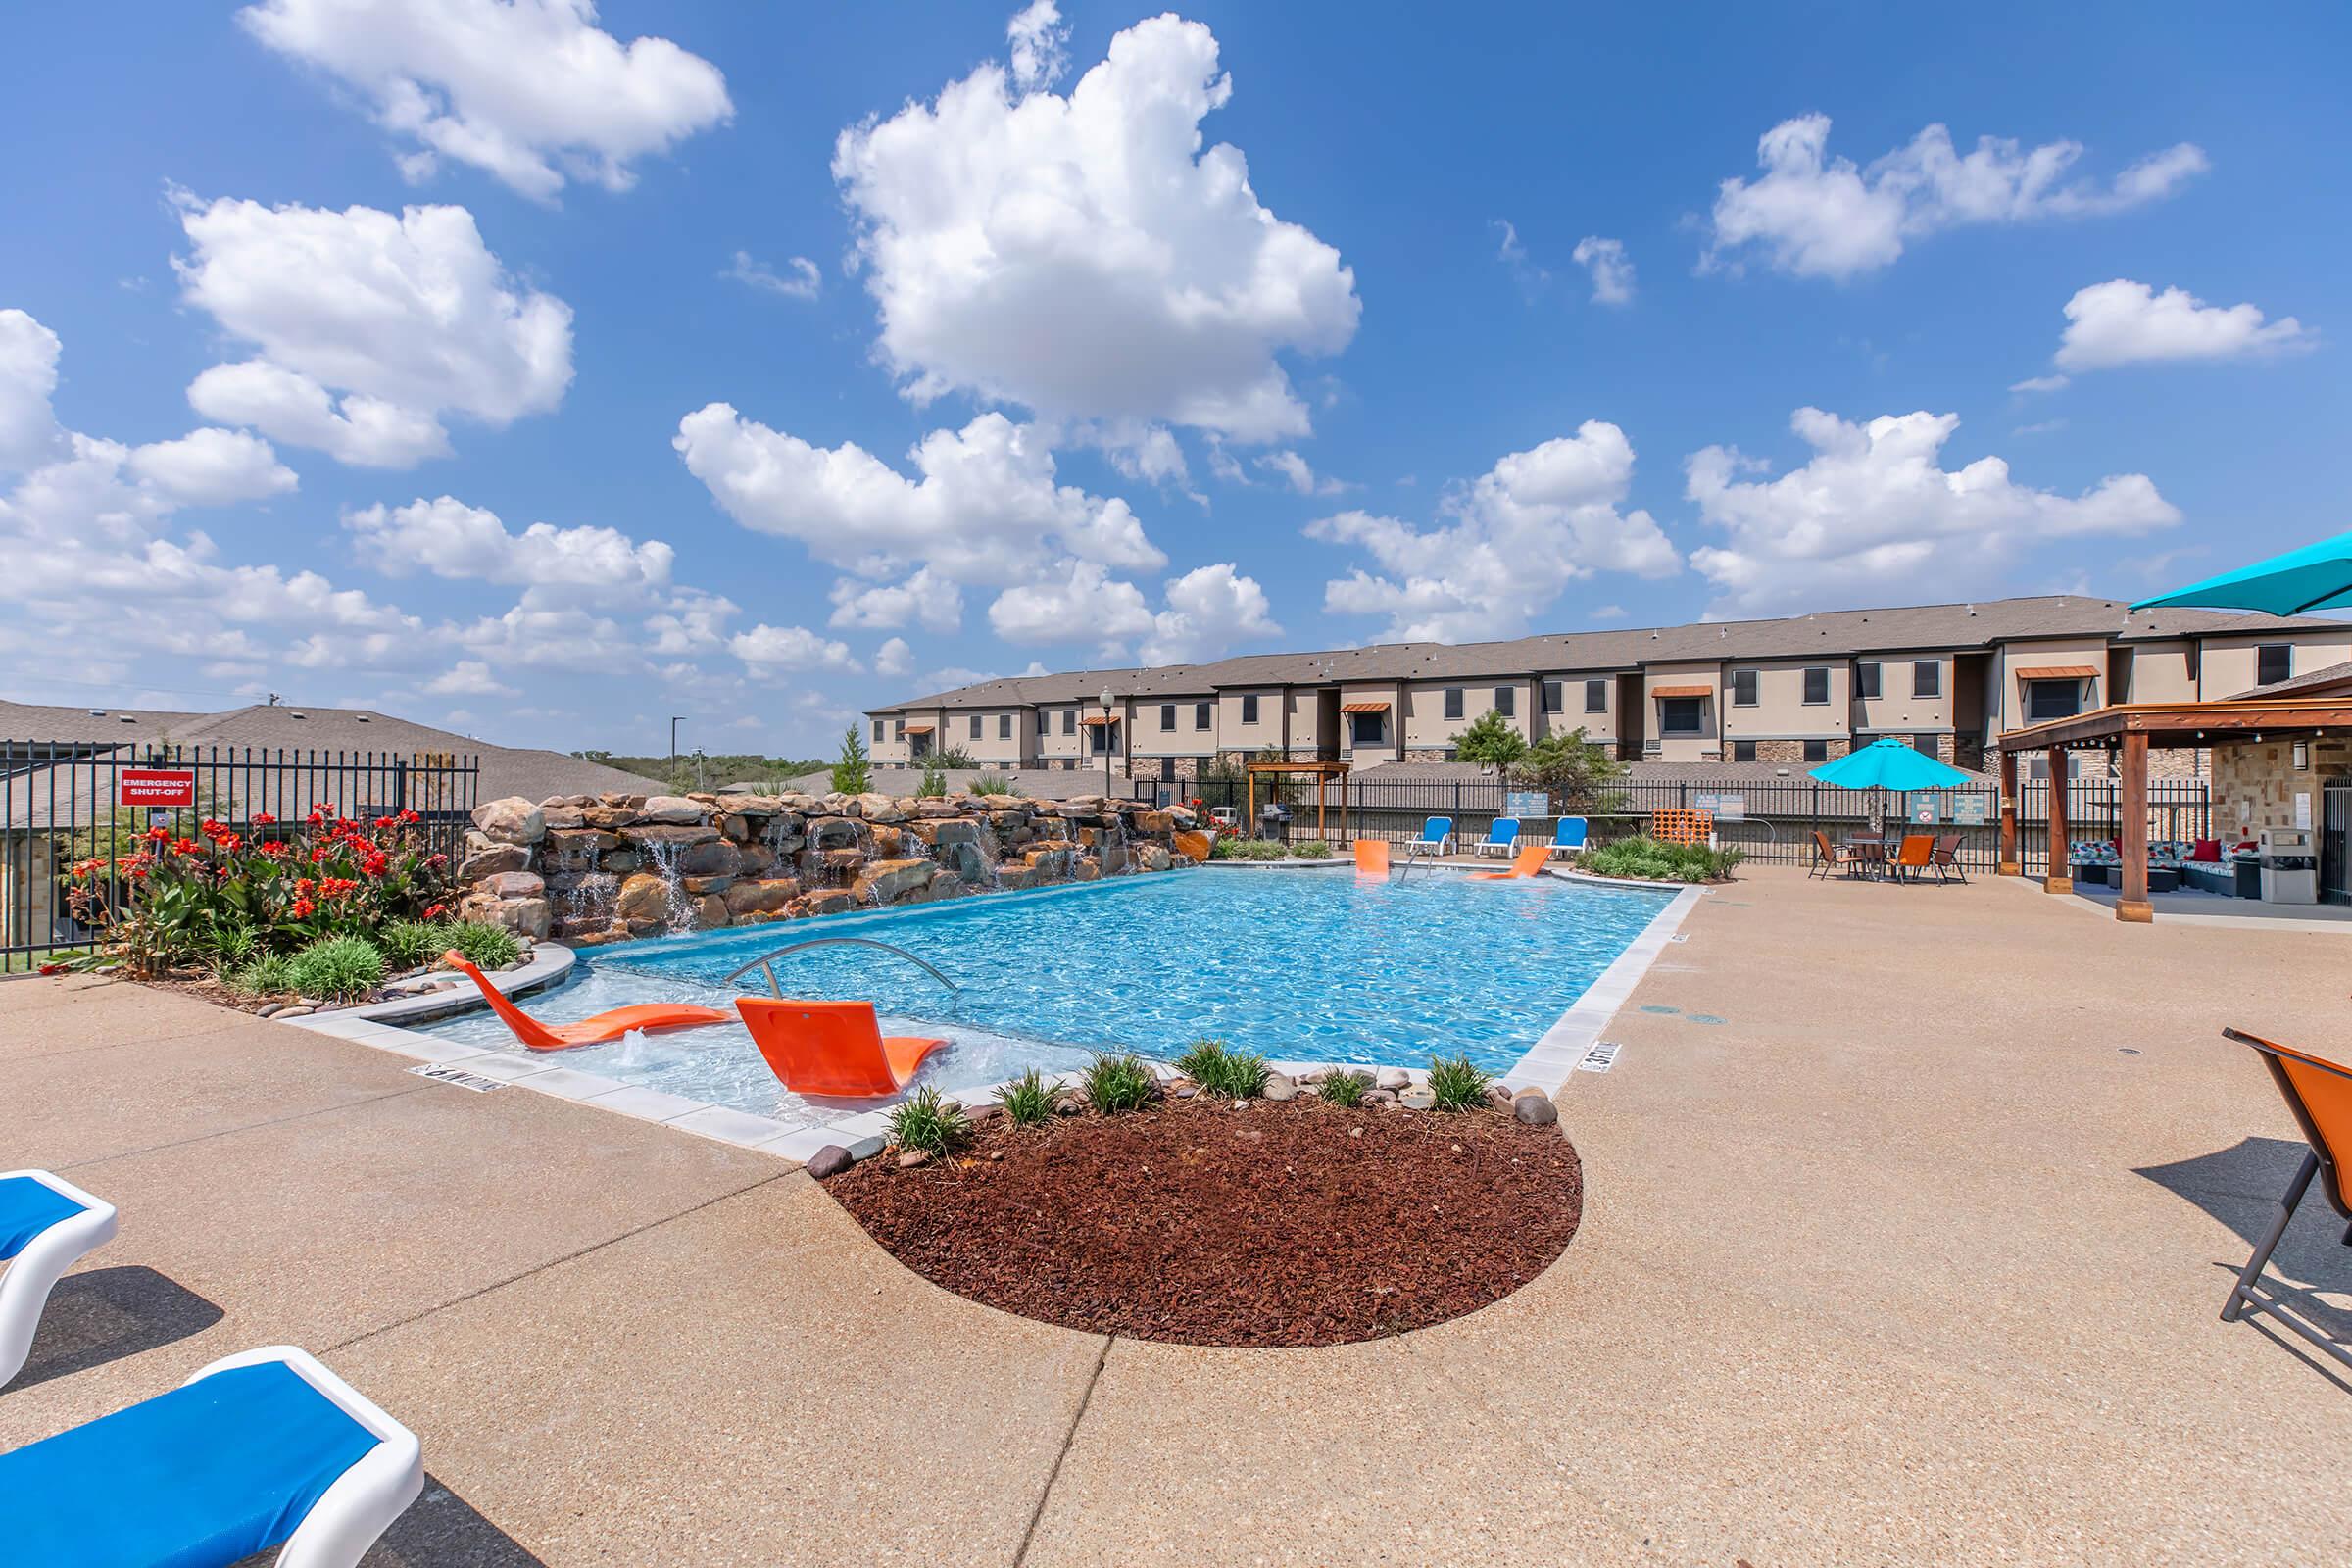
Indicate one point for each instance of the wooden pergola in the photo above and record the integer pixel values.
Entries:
(2128, 730)
(1323, 773)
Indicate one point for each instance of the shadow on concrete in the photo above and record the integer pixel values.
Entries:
(2240, 1186)
(104, 1314)
(441, 1530)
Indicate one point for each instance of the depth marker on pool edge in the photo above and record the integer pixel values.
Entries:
(458, 1076)
(1601, 1058)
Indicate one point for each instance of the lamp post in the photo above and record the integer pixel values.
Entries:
(1105, 698)
(674, 740)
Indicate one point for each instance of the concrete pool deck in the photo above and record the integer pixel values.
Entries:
(1909, 1213)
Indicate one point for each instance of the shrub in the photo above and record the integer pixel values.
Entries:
(1345, 1087)
(235, 947)
(269, 975)
(1235, 848)
(337, 969)
(992, 784)
(1491, 741)
(482, 945)
(934, 785)
(1227, 1074)
(852, 773)
(928, 1122)
(1116, 1084)
(1028, 1100)
(1458, 1083)
(410, 944)
(1310, 850)
(1648, 859)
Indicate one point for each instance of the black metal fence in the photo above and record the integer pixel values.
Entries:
(65, 802)
(1770, 819)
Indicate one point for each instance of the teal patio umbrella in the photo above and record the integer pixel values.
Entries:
(1889, 764)
(2315, 578)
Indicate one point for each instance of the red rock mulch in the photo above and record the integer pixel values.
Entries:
(1195, 1223)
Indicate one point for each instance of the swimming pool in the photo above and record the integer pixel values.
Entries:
(1301, 965)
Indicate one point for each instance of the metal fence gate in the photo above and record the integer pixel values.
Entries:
(1767, 819)
(2335, 841)
(65, 802)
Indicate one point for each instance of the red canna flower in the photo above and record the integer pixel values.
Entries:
(304, 909)
(263, 819)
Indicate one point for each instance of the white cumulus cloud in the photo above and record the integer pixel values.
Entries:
(2123, 323)
(778, 649)
(1081, 603)
(798, 280)
(1210, 610)
(1515, 537)
(450, 539)
(1082, 256)
(370, 327)
(1295, 471)
(1611, 269)
(894, 658)
(29, 355)
(1874, 509)
(1815, 216)
(530, 90)
(1039, 44)
(925, 599)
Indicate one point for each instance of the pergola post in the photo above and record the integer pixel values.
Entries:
(2058, 873)
(2133, 844)
(2009, 865)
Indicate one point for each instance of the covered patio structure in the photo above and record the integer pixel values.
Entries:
(1322, 772)
(2127, 731)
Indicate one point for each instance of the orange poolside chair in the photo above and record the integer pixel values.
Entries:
(1372, 857)
(832, 1048)
(1917, 854)
(2318, 1093)
(646, 1015)
(1527, 862)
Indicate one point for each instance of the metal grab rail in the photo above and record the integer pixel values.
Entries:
(762, 962)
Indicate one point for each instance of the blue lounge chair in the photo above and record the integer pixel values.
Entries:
(259, 1450)
(1437, 837)
(1502, 837)
(47, 1225)
(1569, 836)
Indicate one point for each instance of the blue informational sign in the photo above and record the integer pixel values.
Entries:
(1526, 803)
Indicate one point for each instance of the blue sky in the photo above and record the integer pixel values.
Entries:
(311, 310)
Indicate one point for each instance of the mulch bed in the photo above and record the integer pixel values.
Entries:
(1199, 1223)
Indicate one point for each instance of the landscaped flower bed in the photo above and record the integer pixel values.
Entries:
(1337, 1210)
(1647, 859)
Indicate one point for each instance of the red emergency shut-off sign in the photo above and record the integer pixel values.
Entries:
(157, 786)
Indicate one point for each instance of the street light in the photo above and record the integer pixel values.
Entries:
(1105, 699)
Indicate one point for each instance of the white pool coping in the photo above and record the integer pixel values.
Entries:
(1545, 1066)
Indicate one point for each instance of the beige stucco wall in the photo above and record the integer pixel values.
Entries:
(1896, 711)
(1188, 737)
(1600, 727)
(1377, 691)
(1234, 736)
(1780, 711)
(2007, 706)
(1426, 725)
(1707, 745)
(2255, 782)
(2160, 673)
(2229, 666)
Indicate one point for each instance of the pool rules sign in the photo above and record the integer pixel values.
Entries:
(155, 787)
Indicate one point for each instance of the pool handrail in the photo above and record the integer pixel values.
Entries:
(762, 962)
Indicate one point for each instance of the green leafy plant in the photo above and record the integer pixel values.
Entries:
(992, 784)
(1027, 1099)
(1458, 1083)
(1229, 848)
(852, 772)
(1345, 1087)
(1573, 771)
(234, 945)
(1227, 1074)
(930, 1123)
(337, 969)
(1310, 850)
(955, 759)
(934, 786)
(269, 975)
(1116, 1084)
(410, 944)
(1650, 861)
(1491, 741)
(478, 943)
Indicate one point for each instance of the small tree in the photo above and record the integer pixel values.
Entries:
(934, 786)
(1489, 741)
(854, 773)
(1573, 771)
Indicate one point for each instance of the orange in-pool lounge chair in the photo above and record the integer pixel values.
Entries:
(2318, 1093)
(1372, 857)
(832, 1048)
(646, 1015)
(1527, 862)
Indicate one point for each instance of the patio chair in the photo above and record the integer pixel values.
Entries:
(1569, 835)
(1527, 862)
(1437, 837)
(259, 1450)
(612, 1025)
(832, 1048)
(2318, 1093)
(1946, 859)
(1829, 857)
(1371, 856)
(1917, 853)
(1502, 837)
(47, 1225)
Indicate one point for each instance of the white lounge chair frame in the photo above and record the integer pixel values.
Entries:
(364, 1501)
(1442, 844)
(27, 1278)
(1505, 848)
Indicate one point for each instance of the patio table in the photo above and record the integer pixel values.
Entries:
(1869, 853)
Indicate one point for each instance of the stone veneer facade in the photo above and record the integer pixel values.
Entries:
(588, 870)
(2255, 782)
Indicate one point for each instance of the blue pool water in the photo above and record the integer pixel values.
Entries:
(1305, 966)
